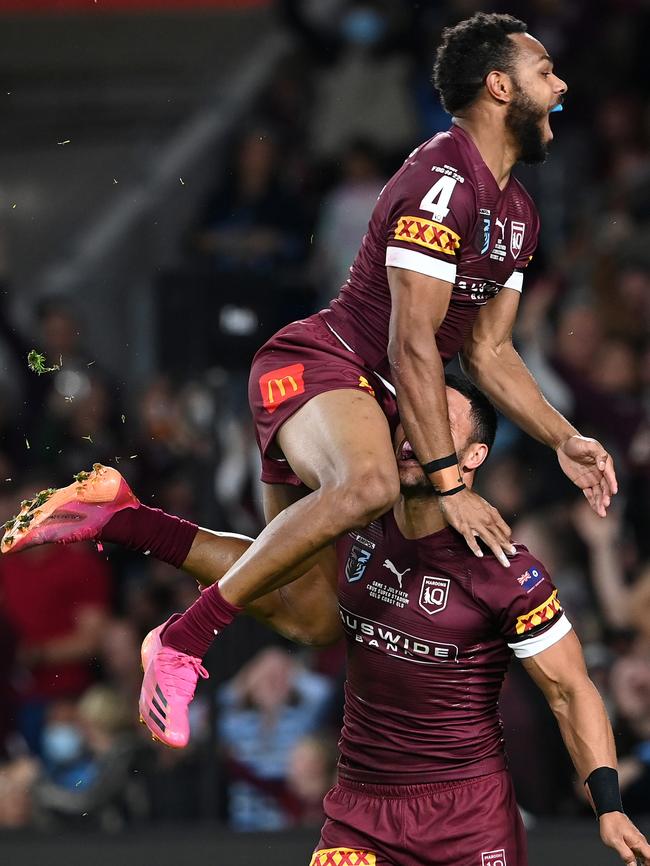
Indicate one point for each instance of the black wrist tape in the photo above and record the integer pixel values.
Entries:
(604, 790)
(450, 492)
(440, 463)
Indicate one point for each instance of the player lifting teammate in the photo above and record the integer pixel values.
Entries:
(430, 631)
(440, 271)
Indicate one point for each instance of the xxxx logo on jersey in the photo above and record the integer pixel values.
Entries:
(544, 613)
(343, 857)
(425, 233)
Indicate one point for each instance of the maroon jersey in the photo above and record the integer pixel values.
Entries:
(430, 632)
(442, 214)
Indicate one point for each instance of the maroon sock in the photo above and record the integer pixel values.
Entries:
(151, 530)
(194, 631)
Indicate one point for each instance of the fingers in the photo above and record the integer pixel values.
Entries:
(609, 474)
(497, 547)
(472, 543)
(641, 849)
(594, 496)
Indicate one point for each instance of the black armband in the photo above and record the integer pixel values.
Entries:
(604, 790)
(440, 463)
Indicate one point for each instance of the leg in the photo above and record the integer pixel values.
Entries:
(339, 444)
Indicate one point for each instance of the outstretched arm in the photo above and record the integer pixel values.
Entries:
(561, 674)
(495, 366)
(305, 611)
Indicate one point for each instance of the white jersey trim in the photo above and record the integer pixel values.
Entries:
(525, 649)
(411, 260)
(515, 281)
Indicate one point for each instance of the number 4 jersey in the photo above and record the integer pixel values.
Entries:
(442, 214)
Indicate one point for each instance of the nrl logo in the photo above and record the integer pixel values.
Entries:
(434, 593)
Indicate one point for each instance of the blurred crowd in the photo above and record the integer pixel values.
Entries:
(273, 241)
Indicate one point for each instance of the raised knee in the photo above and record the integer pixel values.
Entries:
(367, 495)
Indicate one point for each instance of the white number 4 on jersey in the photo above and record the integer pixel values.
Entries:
(438, 197)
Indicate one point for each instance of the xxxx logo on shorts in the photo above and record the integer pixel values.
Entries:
(425, 233)
(343, 857)
(281, 384)
(544, 613)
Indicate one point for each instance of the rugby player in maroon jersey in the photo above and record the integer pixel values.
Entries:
(430, 631)
(440, 271)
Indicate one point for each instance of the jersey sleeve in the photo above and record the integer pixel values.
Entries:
(528, 246)
(430, 216)
(525, 604)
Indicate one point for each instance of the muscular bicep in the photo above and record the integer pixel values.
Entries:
(560, 668)
(419, 303)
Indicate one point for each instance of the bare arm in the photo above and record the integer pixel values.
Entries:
(561, 674)
(419, 305)
(498, 370)
(495, 366)
(305, 611)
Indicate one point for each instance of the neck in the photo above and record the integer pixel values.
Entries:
(418, 515)
(488, 132)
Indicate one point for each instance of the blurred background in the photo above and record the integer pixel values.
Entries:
(178, 179)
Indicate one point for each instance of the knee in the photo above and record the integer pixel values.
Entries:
(365, 495)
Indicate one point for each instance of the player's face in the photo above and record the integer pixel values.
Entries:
(537, 91)
(413, 481)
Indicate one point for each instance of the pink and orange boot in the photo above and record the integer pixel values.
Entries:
(77, 512)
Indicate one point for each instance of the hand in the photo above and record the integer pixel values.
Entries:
(591, 468)
(474, 517)
(619, 833)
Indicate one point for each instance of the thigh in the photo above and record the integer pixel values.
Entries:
(299, 364)
(336, 436)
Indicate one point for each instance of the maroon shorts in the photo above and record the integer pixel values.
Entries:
(301, 361)
(473, 822)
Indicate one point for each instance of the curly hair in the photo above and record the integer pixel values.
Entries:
(468, 52)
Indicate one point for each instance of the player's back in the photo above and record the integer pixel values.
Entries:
(430, 630)
(442, 214)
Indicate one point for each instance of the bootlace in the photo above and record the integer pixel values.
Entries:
(174, 666)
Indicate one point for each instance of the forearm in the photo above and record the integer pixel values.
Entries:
(419, 379)
(502, 375)
(585, 728)
(304, 610)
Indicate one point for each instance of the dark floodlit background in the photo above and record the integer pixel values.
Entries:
(178, 180)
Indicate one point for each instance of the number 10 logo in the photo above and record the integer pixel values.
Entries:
(494, 858)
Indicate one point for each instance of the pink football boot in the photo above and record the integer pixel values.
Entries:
(170, 679)
(73, 513)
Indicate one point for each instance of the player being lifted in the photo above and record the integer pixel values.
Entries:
(440, 271)
(430, 631)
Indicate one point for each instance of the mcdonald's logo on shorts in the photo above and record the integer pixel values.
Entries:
(280, 385)
(343, 857)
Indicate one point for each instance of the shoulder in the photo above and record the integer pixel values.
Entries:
(526, 580)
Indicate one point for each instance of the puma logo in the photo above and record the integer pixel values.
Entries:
(389, 565)
(502, 225)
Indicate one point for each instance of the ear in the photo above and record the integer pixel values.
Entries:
(475, 455)
(499, 86)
